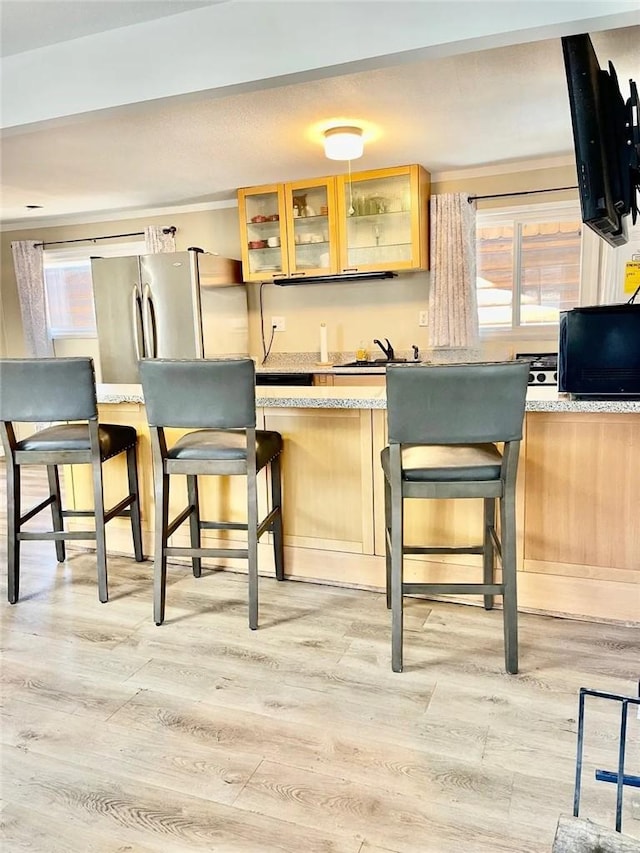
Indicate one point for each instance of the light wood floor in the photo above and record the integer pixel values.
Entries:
(201, 735)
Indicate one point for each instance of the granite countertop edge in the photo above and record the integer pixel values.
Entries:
(354, 397)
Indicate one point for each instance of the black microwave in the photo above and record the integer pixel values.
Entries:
(599, 351)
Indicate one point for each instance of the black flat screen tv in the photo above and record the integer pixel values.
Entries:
(599, 351)
(606, 141)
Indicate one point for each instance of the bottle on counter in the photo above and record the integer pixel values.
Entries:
(362, 354)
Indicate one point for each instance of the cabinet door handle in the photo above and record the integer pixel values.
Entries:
(350, 269)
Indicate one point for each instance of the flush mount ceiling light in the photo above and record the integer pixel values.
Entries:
(343, 143)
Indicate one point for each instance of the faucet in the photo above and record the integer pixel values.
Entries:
(387, 350)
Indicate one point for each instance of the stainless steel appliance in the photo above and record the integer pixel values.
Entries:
(168, 305)
(543, 369)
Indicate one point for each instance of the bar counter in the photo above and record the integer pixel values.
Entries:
(578, 493)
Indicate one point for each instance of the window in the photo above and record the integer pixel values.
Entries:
(528, 266)
(68, 291)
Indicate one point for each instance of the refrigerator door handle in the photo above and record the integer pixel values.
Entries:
(149, 322)
(136, 321)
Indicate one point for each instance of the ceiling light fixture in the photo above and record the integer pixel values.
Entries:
(343, 143)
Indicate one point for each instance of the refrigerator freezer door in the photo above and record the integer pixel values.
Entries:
(118, 306)
(171, 305)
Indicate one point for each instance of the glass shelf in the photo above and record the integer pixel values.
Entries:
(370, 246)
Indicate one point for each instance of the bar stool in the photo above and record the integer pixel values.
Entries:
(443, 425)
(44, 390)
(216, 400)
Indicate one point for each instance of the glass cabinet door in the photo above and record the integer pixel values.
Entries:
(382, 219)
(263, 226)
(311, 223)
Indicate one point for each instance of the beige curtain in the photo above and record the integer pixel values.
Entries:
(453, 309)
(159, 238)
(29, 269)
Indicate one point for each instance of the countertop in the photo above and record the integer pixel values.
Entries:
(539, 399)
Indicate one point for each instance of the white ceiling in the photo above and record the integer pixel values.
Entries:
(474, 109)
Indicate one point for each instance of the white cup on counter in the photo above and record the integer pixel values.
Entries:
(273, 242)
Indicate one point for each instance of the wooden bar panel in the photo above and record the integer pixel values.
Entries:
(327, 477)
(582, 489)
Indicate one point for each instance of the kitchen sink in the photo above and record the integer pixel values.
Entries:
(379, 362)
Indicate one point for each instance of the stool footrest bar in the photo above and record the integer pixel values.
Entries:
(36, 509)
(453, 588)
(58, 535)
(236, 553)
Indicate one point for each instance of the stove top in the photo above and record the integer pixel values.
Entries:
(543, 367)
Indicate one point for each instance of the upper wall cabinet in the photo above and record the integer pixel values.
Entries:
(383, 219)
(289, 229)
(263, 231)
(375, 221)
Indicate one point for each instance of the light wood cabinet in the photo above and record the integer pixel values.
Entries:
(263, 232)
(289, 229)
(372, 221)
(383, 219)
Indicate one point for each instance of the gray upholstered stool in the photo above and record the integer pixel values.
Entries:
(45, 390)
(216, 399)
(443, 424)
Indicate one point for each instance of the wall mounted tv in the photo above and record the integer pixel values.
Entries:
(606, 139)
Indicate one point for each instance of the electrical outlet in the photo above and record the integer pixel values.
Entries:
(423, 318)
(279, 324)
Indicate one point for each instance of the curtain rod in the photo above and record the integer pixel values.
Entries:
(524, 192)
(171, 230)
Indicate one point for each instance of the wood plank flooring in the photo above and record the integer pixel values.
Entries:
(201, 735)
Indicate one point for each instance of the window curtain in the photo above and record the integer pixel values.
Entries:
(157, 240)
(29, 269)
(453, 308)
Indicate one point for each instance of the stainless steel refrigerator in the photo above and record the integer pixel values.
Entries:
(169, 305)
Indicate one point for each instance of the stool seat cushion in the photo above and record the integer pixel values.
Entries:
(114, 439)
(228, 444)
(447, 462)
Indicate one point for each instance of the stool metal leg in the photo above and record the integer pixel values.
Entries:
(509, 598)
(56, 508)
(397, 549)
(98, 505)
(252, 545)
(488, 558)
(13, 531)
(194, 521)
(276, 501)
(160, 556)
(134, 489)
(101, 545)
(387, 534)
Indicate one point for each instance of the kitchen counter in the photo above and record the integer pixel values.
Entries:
(578, 490)
(539, 399)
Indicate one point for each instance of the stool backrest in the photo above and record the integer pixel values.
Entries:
(456, 403)
(47, 389)
(200, 393)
